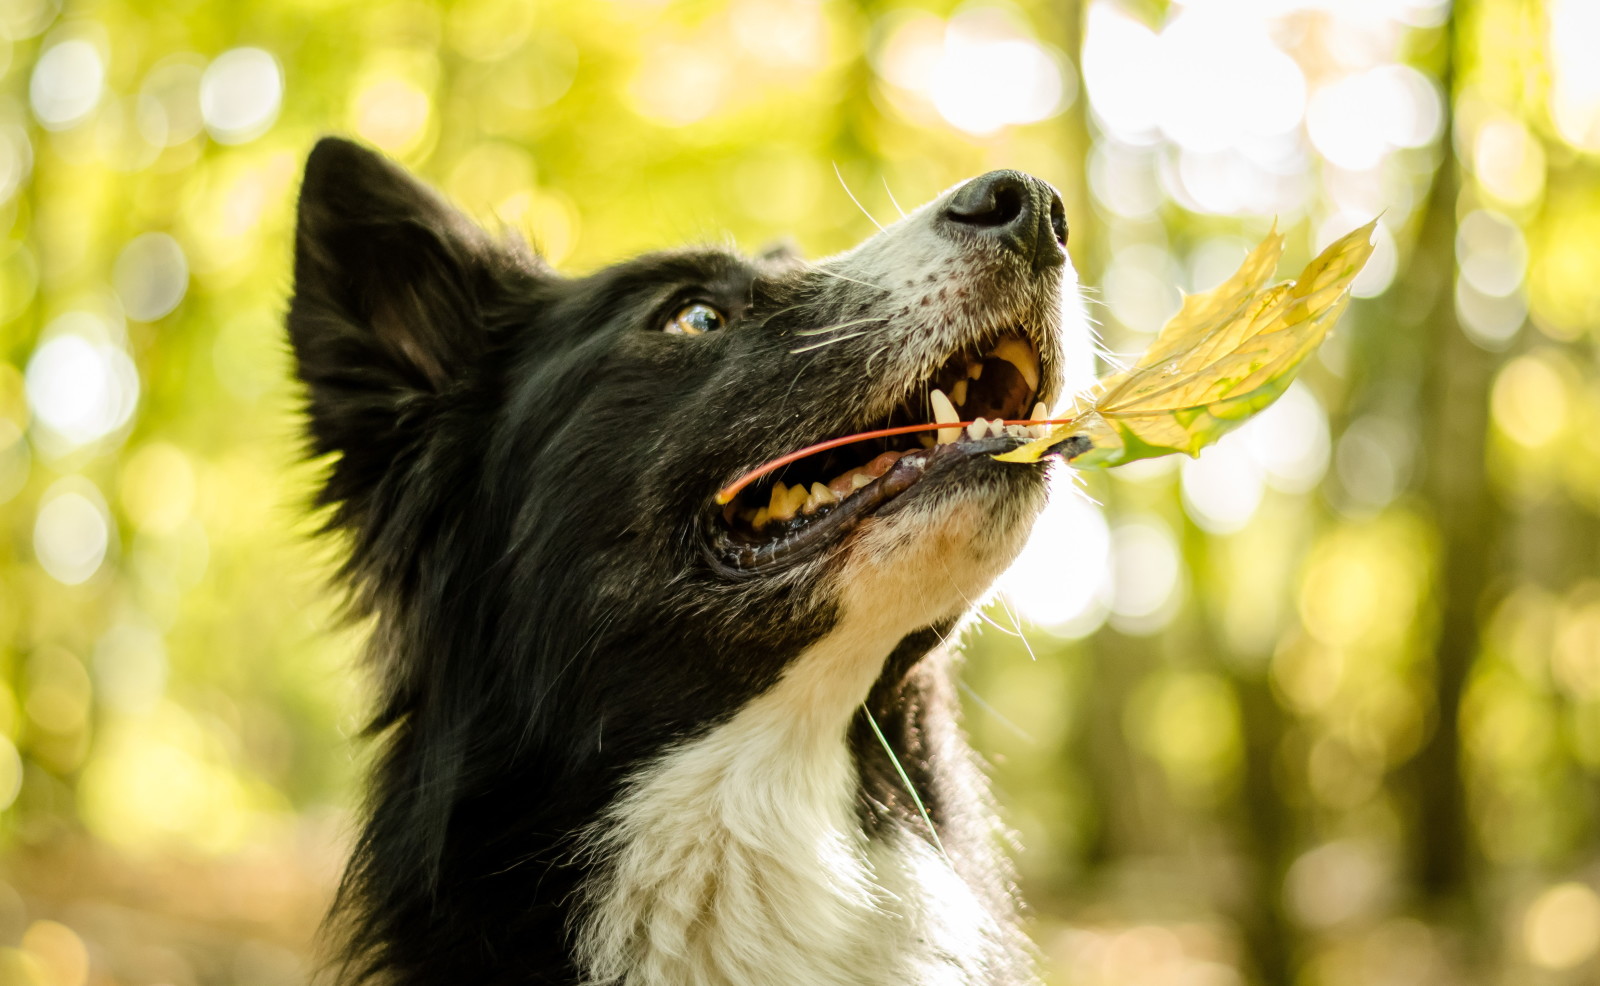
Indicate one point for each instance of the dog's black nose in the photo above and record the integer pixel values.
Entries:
(1015, 209)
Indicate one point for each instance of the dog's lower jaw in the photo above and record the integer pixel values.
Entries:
(740, 857)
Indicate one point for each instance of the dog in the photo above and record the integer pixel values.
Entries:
(626, 733)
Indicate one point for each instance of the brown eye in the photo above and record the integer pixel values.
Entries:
(695, 319)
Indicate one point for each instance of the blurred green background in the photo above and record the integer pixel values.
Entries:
(1320, 707)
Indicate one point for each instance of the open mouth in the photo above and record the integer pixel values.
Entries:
(811, 503)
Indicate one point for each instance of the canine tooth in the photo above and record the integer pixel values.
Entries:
(944, 412)
(1021, 355)
(761, 518)
(1040, 411)
(978, 429)
(858, 480)
(958, 393)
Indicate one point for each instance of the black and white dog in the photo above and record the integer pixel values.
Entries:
(627, 735)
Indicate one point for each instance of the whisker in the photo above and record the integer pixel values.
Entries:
(853, 198)
(841, 325)
(834, 273)
(825, 342)
(979, 700)
(892, 200)
(1018, 624)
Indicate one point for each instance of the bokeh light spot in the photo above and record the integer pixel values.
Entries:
(1290, 441)
(1492, 253)
(81, 388)
(72, 531)
(1189, 722)
(240, 93)
(1335, 883)
(1509, 161)
(1057, 580)
(982, 71)
(1562, 926)
(1574, 71)
(20, 19)
(1147, 575)
(158, 488)
(1223, 487)
(66, 84)
(1529, 401)
(59, 691)
(169, 101)
(59, 952)
(679, 84)
(392, 113)
(151, 276)
(130, 667)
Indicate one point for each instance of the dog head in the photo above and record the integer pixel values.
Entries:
(526, 464)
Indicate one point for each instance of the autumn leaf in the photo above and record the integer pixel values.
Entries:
(1228, 354)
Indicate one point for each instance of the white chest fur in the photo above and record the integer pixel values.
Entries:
(738, 859)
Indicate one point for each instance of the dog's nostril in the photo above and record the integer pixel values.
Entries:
(992, 200)
(1058, 219)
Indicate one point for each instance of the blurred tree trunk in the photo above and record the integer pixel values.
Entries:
(1266, 831)
(1454, 481)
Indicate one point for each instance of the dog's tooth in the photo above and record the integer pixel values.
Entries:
(958, 393)
(858, 480)
(780, 506)
(798, 495)
(926, 440)
(762, 517)
(978, 429)
(1020, 355)
(1019, 431)
(820, 497)
(1040, 411)
(944, 412)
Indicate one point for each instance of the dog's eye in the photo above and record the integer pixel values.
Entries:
(695, 319)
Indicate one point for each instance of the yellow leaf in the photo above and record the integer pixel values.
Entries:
(1226, 355)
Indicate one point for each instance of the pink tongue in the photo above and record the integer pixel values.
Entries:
(842, 486)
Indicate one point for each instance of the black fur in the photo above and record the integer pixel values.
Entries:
(522, 465)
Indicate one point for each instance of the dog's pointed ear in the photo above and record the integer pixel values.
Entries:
(387, 277)
(390, 286)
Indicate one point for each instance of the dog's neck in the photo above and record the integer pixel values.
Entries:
(745, 856)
